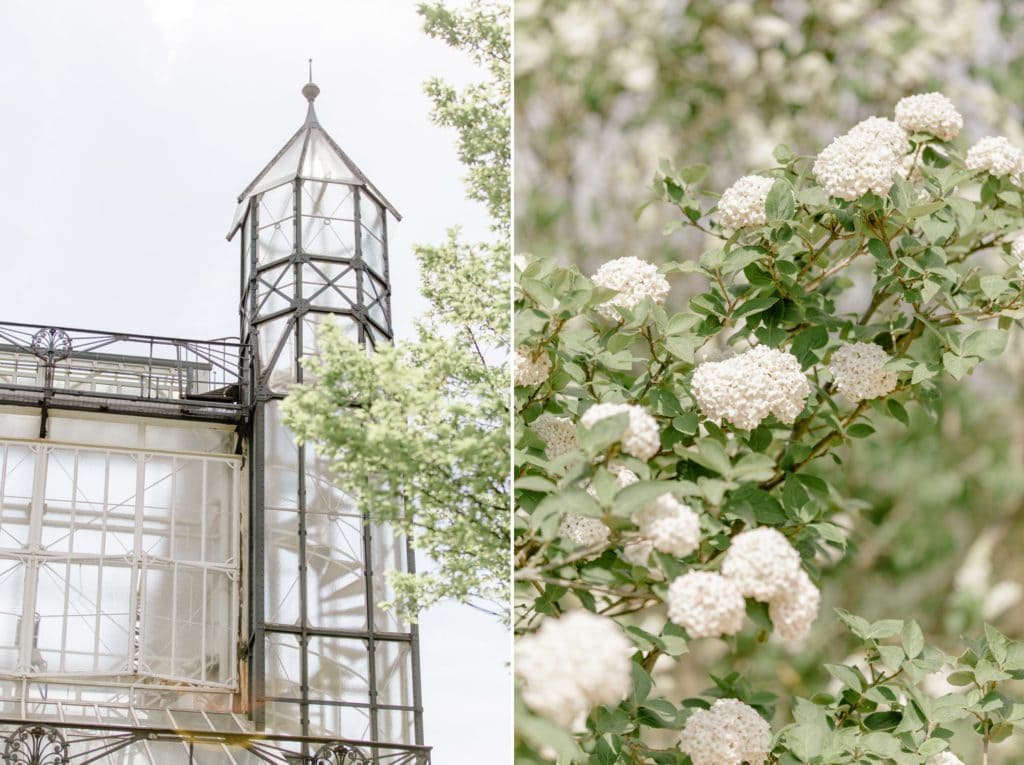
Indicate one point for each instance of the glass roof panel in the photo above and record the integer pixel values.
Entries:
(284, 168)
(324, 163)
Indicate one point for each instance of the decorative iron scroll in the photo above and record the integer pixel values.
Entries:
(51, 344)
(339, 754)
(36, 745)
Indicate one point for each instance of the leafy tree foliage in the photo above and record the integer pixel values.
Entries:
(418, 431)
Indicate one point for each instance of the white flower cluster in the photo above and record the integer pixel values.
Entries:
(730, 733)
(995, 155)
(583, 530)
(858, 370)
(571, 664)
(641, 439)
(764, 565)
(527, 370)
(706, 604)
(742, 204)
(794, 611)
(557, 433)
(634, 280)
(746, 388)
(670, 526)
(944, 758)
(761, 563)
(1017, 248)
(867, 158)
(929, 113)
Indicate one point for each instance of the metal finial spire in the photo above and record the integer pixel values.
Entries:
(310, 90)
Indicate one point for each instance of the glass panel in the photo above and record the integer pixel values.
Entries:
(328, 200)
(374, 298)
(373, 251)
(276, 338)
(282, 567)
(323, 162)
(329, 285)
(371, 215)
(284, 666)
(16, 476)
(284, 718)
(396, 726)
(338, 669)
(335, 572)
(394, 672)
(342, 722)
(275, 289)
(12, 594)
(328, 237)
(388, 555)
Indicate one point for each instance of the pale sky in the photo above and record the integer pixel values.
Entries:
(129, 128)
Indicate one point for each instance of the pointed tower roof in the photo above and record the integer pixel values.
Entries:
(309, 154)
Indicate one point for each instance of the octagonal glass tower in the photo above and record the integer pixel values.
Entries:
(322, 657)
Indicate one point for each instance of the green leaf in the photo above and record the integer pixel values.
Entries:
(755, 506)
(912, 639)
(603, 434)
(957, 366)
(885, 628)
(693, 174)
(883, 720)
(711, 454)
(859, 430)
(534, 483)
(639, 495)
(897, 410)
(756, 305)
(779, 204)
(987, 672)
(993, 285)
(848, 676)
(986, 343)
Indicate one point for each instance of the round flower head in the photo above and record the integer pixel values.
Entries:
(670, 525)
(995, 155)
(641, 438)
(634, 280)
(944, 758)
(884, 131)
(868, 158)
(761, 563)
(706, 604)
(583, 530)
(573, 663)
(730, 733)
(742, 204)
(859, 371)
(557, 433)
(1017, 248)
(527, 370)
(929, 113)
(521, 260)
(746, 388)
(794, 611)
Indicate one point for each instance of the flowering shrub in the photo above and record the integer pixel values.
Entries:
(724, 414)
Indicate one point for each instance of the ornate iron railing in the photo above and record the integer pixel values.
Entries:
(65, 743)
(62, 365)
